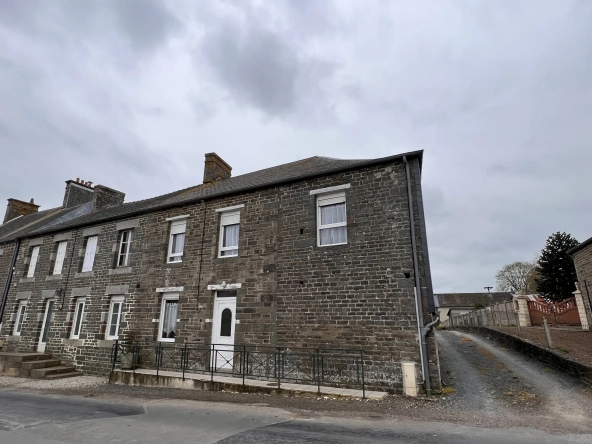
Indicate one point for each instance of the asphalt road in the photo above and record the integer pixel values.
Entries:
(33, 418)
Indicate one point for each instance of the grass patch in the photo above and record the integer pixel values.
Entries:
(440, 327)
(448, 391)
(563, 350)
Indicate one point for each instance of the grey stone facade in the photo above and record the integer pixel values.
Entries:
(582, 257)
(359, 295)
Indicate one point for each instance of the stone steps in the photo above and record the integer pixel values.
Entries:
(35, 365)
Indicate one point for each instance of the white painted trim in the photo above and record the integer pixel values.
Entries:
(185, 216)
(170, 289)
(224, 286)
(329, 189)
(236, 207)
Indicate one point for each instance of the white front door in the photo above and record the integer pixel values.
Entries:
(46, 325)
(223, 330)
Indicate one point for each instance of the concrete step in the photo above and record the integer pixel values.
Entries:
(23, 357)
(30, 365)
(43, 373)
(63, 375)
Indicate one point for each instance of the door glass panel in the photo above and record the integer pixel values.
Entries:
(226, 323)
(48, 314)
(115, 319)
(169, 319)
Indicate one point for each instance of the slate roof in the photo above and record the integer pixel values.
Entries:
(24, 225)
(282, 174)
(470, 299)
(579, 247)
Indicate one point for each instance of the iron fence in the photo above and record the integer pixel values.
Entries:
(311, 366)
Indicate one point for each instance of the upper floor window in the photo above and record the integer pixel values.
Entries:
(177, 241)
(229, 233)
(89, 255)
(60, 256)
(21, 315)
(331, 219)
(114, 319)
(33, 262)
(78, 318)
(125, 242)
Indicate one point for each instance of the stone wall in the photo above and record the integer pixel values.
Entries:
(583, 262)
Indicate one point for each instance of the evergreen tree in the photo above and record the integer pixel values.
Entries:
(555, 268)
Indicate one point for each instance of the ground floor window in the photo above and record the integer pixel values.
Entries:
(21, 315)
(114, 318)
(168, 317)
(78, 318)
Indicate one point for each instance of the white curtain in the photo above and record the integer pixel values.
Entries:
(178, 242)
(169, 320)
(331, 236)
(332, 214)
(230, 239)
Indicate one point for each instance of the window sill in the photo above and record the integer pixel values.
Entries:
(105, 343)
(120, 270)
(166, 340)
(226, 259)
(25, 280)
(174, 264)
(331, 245)
(13, 338)
(84, 274)
(53, 277)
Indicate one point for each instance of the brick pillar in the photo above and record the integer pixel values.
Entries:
(581, 308)
(523, 313)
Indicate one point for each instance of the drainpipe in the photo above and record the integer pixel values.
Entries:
(422, 330)
(9, 279)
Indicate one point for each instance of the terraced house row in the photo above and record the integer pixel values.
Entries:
(321, 253)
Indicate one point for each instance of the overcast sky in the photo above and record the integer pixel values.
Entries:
(132, 93)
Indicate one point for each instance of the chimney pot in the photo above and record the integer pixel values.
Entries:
(78, 180)
(32, 201)
(215, 169)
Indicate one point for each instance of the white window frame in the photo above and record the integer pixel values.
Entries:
(21, 316)
(80, 305)
(330, 199)
(177, 227)
(33, 263)
(228, 218)
(115, 300)
(122, 246)
(89, 254)
(60, 257)
(167, 297)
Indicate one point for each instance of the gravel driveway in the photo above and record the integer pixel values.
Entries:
(508, 387)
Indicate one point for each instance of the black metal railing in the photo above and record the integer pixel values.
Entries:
(311, 366)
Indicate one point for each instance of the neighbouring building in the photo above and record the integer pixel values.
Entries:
(455, 304)
(582, 257)
(314, 253)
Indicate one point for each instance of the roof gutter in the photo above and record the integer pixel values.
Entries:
(421, 328)
(198, 199)
(577, 248)
(9, 278)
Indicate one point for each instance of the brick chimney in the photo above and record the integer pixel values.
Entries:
(77, 192)
(216, 169)
(106, 197)
(16, 208)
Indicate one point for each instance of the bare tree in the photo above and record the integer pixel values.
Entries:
(517, 277)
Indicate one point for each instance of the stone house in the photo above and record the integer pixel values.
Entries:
(314, 253)
(582, 257)
(455, 304)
